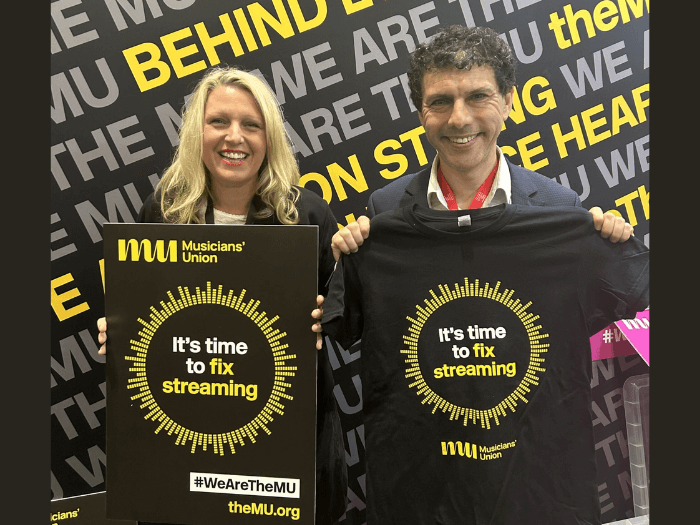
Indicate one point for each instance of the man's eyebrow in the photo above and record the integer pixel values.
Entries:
(437, 95)
(482, 89)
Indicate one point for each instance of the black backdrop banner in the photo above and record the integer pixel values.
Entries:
(120, 74)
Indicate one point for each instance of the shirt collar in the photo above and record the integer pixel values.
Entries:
(205, 211)
(500, 191)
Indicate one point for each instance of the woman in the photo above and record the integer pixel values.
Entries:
(234, 165)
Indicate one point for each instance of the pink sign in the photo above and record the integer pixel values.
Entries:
(637, 333)
(610, 342)
(623, 338)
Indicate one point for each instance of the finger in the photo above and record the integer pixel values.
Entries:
(350, 240)
(318, 312)
(627, 232)
(102, 336)
(598, 217)
(339, 243)
(612, 225)
(363, 222)
(319, 337)
(336, 252)
(356, 232)
(343, 242)
(618, 227)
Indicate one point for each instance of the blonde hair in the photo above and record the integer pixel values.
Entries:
(187, 182)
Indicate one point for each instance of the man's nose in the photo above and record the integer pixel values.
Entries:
(461, 115)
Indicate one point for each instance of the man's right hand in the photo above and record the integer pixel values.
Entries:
(351, 237)
(102, 337)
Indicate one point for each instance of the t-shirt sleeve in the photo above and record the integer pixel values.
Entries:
(342, 309)
(613, 280)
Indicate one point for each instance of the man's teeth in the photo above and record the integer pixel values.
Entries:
(231, 155)
(462, 140)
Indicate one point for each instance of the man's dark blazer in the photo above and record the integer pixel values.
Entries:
(527, 188)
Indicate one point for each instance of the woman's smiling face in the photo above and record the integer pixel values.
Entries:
(234, 142)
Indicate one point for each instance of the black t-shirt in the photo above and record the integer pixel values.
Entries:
(476, 362)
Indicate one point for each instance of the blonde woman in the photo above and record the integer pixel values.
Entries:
(234, 165)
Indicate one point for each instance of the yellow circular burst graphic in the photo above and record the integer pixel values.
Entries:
(220, 442)
(535, 366)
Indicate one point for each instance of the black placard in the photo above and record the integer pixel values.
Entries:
(88, 509)
(211, 373)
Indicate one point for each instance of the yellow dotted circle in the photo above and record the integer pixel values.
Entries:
(466, 414)
(223, 441)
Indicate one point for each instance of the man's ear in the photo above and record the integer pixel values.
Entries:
(508, 103)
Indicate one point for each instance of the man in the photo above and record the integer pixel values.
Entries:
(475, 380)
(462, 82)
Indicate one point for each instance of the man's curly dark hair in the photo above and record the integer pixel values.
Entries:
(461, 47)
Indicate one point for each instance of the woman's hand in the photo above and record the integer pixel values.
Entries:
(318, 315)
(102, 337)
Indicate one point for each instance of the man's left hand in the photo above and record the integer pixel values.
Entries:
(349, 238)
(611, 226)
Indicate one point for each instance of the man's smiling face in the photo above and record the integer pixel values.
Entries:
(463, 114)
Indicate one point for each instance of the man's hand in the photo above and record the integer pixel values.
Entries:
(102, 337)
(351, 237)
(318, 314)
(611, 226)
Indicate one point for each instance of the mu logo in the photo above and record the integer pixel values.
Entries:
(160, 250)
(450, 448)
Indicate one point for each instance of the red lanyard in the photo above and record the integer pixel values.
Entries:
(480, 196)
